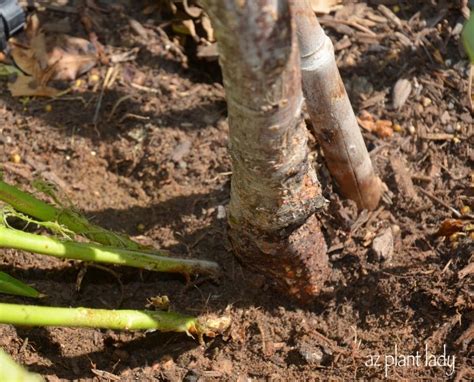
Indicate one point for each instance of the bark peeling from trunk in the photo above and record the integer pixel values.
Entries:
(334, 122)
(274, 191)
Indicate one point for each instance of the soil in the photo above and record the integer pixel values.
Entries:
(156, 167)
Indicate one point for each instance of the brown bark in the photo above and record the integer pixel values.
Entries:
(334, 122)
(275, 191)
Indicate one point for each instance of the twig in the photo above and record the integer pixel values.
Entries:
(117, 104)
(144, 88)
(108, 76)
(436, 199)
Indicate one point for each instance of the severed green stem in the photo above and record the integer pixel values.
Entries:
(12, 238)
(12, 372)
(28, 204)
(10, 285)
(32, 315)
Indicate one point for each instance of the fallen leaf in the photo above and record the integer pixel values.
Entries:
(25, 86)
(68, 56)
(449, 227)
(52, 56)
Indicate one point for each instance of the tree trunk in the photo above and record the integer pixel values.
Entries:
(334, 122)
(275, 191)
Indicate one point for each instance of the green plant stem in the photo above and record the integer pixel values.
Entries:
(10, 285)
(33, 315)
(29, 205)
(12, 372)
(12, 238)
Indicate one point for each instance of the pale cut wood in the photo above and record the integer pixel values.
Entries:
(333, 119)
(274, 191)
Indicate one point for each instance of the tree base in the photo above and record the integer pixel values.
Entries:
(296, 261)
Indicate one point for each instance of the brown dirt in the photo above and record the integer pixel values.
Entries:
(163, 179)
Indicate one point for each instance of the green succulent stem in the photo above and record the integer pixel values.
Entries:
(29, 205)
(33, 315)
(16, 239)
(12, 372)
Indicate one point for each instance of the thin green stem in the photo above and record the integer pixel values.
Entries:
(10, 285)
(12, 372)
(33, 315)
(12, 238)
(28, 204)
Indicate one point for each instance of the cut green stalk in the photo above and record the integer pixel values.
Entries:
(28, 204)
(31, 315)
(10, 285)
(467, 37)
(12, 372)
(12, 238)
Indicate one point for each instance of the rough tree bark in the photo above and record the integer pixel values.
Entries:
(275, 191)
(333, 119)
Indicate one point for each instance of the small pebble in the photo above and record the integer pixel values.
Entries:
(397, 128)
(382, 246)
(15, 158)
(311, 354)
(449, 129)
(221, 214)
(426, 101)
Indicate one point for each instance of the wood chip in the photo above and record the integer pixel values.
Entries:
(392, 17)
(374, 100)
(466, 271)
(437, 137)
(382, 246)
(403, 179)
(401, 91)
(138, 28)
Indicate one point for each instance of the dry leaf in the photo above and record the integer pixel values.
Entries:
(449, 227)
(23, 56)
(52, 56)
(401, 91)
(325, 6)
(25, 86)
